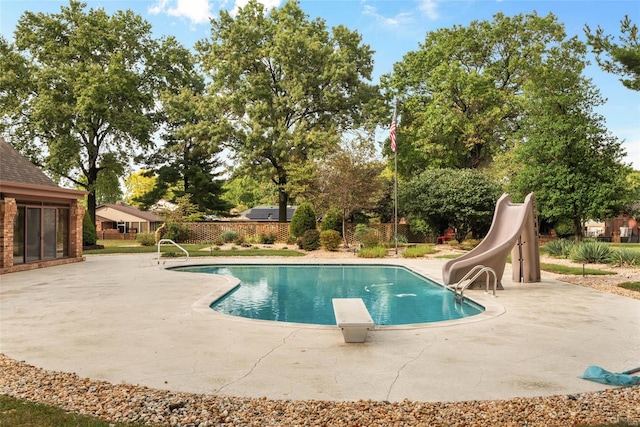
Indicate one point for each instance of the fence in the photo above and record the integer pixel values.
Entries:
(202, 232)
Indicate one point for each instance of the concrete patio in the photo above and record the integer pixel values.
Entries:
(124, 319)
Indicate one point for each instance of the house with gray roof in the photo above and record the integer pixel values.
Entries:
(267, 213)
(40, 222)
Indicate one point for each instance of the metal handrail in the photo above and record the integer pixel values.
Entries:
(161, 241)
(478, 270)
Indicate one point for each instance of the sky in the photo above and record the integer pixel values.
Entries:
(393, 28)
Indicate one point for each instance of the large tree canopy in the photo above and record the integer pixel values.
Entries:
(283, 87)
(460, 92)
(566, 156)
(81, 91)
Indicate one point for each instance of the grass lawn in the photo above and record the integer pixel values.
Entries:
(569, 270)
(195, 250)
(633, 286)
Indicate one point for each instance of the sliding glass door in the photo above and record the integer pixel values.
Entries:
(40, 233)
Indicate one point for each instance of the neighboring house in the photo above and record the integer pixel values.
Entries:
(41, 222)
(267, 213)
(624, 228)
(122, 218)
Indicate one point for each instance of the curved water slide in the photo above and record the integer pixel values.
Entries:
(514, 229)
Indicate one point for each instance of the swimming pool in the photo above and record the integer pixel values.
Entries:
(302, 293)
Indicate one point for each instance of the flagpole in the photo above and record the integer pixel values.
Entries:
(395, 186)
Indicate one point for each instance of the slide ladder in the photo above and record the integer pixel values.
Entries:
(470, 277)
(161, 241)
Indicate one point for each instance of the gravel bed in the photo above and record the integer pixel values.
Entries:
(132, 403)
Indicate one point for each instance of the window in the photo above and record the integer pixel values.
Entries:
(40, 233)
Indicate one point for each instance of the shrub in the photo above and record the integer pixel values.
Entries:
(418, 251)
(177, 232)
(310, 240)
(591, 252)
(559, 248)
(268, 239)
(624, 256)
(368, 237)
(146, 239)
(89, 235)
(564, 228)
(218, 241)
(330, 239)
(332, 221)
(229, 236)
(303, 219)
(374, 252)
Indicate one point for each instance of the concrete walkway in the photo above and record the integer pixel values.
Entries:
(122, 319)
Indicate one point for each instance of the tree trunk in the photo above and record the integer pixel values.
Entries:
(283, 199)
(577, 229)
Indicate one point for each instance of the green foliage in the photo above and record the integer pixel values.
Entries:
(268, 239)
(559, 248)
(366, 236)
(229, 236)
(310, 240)
(418, 251)
(283, 87)
(89, 235)
(460, 198)
(622, 59)
(373, 252)
(177, 232)
(632, 286)
(462, 89)
(567, 269)
(330, 239)
(591, 252)
(564, 228)
(624, 257)
(303, 219)
(146, 239)
(332, 220)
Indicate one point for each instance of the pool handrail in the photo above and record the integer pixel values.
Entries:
(479, 269)
(161, 241)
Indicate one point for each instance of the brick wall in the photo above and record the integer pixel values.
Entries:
(8, 211)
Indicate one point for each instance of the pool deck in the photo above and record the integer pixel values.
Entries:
(124, 319)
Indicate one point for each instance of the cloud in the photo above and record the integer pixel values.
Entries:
(197, 11)
(268, 4)
(429, 9)
(399, 20)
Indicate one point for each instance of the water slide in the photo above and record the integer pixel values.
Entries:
(514, 229)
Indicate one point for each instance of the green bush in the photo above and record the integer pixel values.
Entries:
(303, 219)
(146, 239)
(624, 256)
(330, 240)
(332, 221)
(229, 236)
(591, 252)
(177, 232)
(564, 228)
(559, 248)
(310, 240)
(367, 237)
(89, 235)
(268, 239)
(374, 252)
(418, 251)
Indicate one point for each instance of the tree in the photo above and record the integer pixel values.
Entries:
(136, 185)
(460, 91)
(567, 157)
(245, 191)
(460, 198)
(187, 163)
(303, 219)
(349, 180)
(82, 91)
(283, 87)
(622, 59)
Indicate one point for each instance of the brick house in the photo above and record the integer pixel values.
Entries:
(41, 223)
(121, 221)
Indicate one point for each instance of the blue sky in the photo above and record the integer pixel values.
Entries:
(392, 28)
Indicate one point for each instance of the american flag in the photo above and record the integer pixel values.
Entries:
(392, 135)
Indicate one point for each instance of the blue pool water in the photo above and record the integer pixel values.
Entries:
(302, 293)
